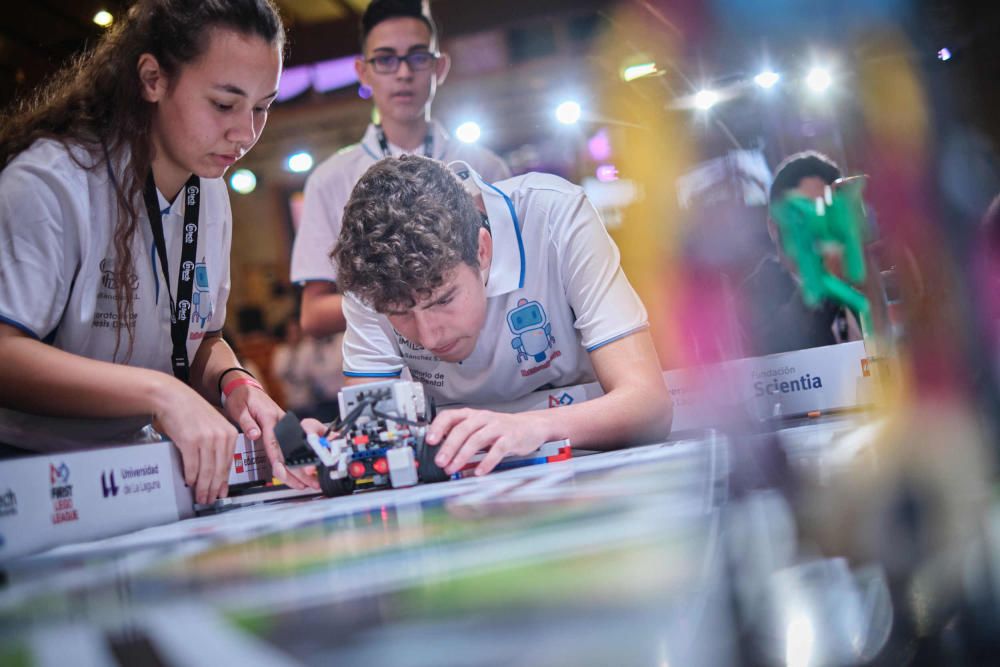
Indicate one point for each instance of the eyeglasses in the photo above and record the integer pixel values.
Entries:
(417, 61)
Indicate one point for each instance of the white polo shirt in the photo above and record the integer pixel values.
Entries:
(555, 293)
(56, 282)
(329, 187)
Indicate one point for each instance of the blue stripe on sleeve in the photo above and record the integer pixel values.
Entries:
(618, 337)
(20, 327)
(352, 374)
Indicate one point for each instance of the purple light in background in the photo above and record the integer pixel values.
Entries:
(944, 54)
(599, 146)
(333, 74)
(294, 82)
(607, 173)
(322, 76)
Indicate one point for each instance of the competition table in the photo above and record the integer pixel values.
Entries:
(612, 558)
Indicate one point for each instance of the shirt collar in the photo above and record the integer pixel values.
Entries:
(507, 266)
(166, 206)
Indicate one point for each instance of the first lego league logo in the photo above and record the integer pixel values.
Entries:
(62, 494)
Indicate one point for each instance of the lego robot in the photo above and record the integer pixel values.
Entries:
(379, 442)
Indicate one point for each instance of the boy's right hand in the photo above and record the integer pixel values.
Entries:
(205, 438)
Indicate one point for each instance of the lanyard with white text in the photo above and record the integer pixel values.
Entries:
(180, 310)
(383, 143)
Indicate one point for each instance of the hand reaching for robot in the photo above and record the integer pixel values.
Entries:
(256, 413)
(463, 433)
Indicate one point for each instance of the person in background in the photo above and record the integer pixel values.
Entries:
(401, 64)
(776, 319)
(115, 232)
(310, 372)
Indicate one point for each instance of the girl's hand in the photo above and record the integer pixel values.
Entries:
(205, 438)
(257, 413)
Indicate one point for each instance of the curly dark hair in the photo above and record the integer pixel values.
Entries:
(408, 222)
(95, 102)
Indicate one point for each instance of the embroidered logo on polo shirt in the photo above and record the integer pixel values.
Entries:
(532, 335)
(106, 312)
(110, 281)
(562, 399)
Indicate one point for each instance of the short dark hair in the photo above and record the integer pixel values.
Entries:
(383, 10)
(802, 165)
(409, 221)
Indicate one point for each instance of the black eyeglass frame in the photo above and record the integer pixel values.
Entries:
(399, 60)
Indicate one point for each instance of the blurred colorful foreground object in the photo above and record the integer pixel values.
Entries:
(814, 231)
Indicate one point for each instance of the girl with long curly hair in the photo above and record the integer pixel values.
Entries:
(115, 230)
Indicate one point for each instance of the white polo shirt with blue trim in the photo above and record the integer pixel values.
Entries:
(57, 283)
(556, 291)
(329, 187)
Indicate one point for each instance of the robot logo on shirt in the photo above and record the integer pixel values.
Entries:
(532, 331)
(201, 298)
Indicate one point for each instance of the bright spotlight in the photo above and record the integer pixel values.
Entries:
(300, 162)
(469, 132)
(944, 54)
(568, 112)
(103, 18)
(243, 181)
(705, 99)
(818, 79)
(638, 71)
(767, 79)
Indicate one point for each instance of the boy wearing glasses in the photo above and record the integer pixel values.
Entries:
(401, 65)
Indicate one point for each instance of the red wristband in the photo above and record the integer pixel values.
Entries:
(239, 382)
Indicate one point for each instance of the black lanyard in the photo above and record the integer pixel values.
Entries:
(180, 310)
(383, 143)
